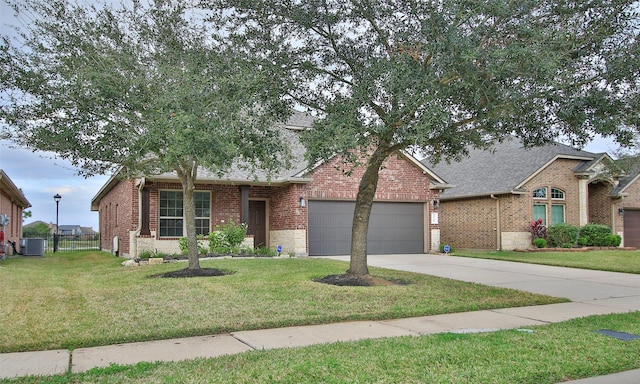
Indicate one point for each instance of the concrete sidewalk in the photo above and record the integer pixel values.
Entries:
(591, 292)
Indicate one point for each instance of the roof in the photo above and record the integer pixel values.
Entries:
(296, 173)
(15, 194)
(505, 167)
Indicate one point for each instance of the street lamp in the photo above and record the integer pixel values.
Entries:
(57, 198)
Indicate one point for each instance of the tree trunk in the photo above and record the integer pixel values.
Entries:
(187, 177)
(362, 213)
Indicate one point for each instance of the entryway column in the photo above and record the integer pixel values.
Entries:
(583, 195)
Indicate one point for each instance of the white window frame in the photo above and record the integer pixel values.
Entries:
(181, 218)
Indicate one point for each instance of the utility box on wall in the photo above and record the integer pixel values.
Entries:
(32, 247)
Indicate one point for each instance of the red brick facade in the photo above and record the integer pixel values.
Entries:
(400, 180)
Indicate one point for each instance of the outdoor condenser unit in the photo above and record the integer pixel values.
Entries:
(32, 247)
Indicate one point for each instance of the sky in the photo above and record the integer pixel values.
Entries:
(41, 175)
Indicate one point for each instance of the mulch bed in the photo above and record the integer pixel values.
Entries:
(352, 280)
(201, 272)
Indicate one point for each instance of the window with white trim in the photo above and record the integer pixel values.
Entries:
(540, 193)
(172, 213)
(557, 194)
(542, 202)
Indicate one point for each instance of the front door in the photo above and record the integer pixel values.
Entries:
(257, 222)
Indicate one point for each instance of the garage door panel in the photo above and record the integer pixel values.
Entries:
(631, 228)
(393, 228)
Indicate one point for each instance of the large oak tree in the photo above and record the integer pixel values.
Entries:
(144, 88)
(441, 76)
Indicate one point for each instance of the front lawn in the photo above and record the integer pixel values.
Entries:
(604, 260)
(86, 298)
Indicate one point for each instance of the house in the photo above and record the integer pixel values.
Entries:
(12, 204)
(499, 192)
(627, 193)
(306, 211)
(72, 230)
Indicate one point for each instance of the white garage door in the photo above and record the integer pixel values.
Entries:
(393, 228)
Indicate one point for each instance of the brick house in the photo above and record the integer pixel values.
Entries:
(12, 203)
(306, 211)
(498, 193)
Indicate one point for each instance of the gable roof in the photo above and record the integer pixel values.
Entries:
(14, 193)
(505, 167)
(241, 174)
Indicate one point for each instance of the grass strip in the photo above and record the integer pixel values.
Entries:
(626, 261)
(547, 354)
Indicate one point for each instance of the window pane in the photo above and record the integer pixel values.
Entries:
(557, 214)
(540, 193)
(171, 203)
(202, 202)
(540, 212)
(557, 193)
(171, 227)
(202, 226)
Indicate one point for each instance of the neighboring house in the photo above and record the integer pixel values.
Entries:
(627, 193)
(72, 230)
(497, 193)
(306, 211)
(12, 203)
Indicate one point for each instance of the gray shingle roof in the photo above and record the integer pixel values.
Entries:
(289, 132)
(500, 169)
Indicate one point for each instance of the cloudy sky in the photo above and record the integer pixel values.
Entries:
(41, 175)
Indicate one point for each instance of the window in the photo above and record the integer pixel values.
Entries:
(540, 193)
(172, 214)
(202, 201)
(540, 212)
(557, 194)
(557, 213)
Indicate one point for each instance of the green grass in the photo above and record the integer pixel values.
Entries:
(603, 260)
(548, 355)
(86, 298)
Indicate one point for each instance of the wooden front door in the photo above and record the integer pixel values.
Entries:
(258, 222)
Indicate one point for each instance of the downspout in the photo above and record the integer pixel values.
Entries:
(134, 244)
(498, 229)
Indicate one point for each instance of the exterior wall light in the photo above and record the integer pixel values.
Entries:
(303, 202)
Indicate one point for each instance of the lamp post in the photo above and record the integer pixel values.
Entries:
(57, 198)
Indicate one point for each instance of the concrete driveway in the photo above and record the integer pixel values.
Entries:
(618, 291)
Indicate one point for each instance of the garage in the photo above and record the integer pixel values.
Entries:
(632, 228)
(393, 228)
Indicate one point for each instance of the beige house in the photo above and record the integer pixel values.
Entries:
(497, 193)
(12, 203)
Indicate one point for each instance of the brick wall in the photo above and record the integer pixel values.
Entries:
(600, 203)
(560, 175)
(118, 216)
(472, 223)
(13, 230)
(469, 223)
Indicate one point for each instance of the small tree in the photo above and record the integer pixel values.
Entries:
(145, 89)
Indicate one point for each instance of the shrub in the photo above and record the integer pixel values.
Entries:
(227, 238)
(184, 246)
(561, 234)
(540, 242)
(613, 240)
(538, 230)
(583, 241)
(264, 251)
(596, 234)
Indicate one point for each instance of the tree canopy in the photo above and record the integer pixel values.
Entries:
(445, 75)
(143, 88)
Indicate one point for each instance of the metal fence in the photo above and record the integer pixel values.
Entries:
(69, 242)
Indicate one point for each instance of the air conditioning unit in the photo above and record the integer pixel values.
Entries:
(32, 247)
